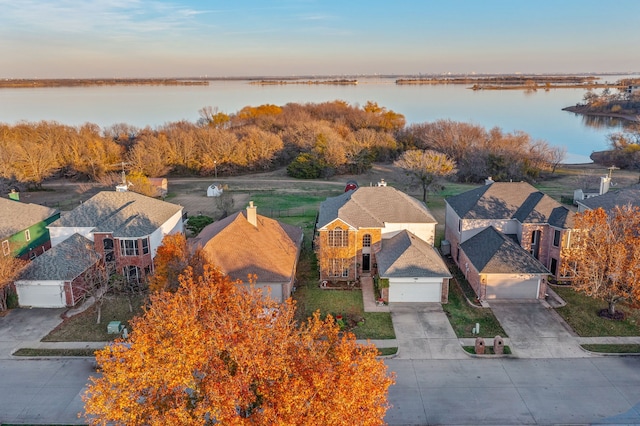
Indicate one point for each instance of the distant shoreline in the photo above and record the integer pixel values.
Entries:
(80, 82)
(477, 82)
(281, 82)
(584, 111)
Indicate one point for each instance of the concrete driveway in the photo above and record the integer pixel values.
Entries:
(21, 327)
(424, 332)
(536, 330)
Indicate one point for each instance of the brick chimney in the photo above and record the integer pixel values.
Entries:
(252, 215)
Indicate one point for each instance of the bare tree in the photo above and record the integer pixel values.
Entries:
(426, 166)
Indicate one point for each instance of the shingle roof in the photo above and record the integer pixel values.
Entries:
(405, 255)
(64, 262)
(125, 214)
(238, 248)
(611, 199)
(492, 252)
(16, 216)
(511, 200)
(372, 207)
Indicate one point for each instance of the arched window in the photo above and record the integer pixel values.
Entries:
(338, 237)
(366, 240)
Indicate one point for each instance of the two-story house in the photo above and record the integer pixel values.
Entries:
(246, 244)
(125, 227)
(380, 230)
(507, 237)
(23, 228)
(124, 230)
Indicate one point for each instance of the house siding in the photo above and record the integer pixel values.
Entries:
(38, 243)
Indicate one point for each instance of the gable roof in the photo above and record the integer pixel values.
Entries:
(492, 252)
(511, 200)
(125, 214)
(372, 207)
(64, 262)
(611, 199)
(268, 250)
(16, 216)
(405, 255)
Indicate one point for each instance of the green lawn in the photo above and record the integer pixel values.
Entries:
(83, 327)
(53, 352)
(310, 297)
(613, 349)
(463, 317)
(581, 313)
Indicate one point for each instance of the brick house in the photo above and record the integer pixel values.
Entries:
(355, 228)
(126, 229)
(507, 225)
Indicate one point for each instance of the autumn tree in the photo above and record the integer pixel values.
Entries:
(172, 259)
(10, 267)
(604, 255)
(216, 352)
(426, 166)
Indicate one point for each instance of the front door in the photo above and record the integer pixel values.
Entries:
(366, 262)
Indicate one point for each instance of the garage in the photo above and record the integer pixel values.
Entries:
(416, 291)
(41, 294)
(414, 269)
(512, 287)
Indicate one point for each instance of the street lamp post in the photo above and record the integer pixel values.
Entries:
(215, 169)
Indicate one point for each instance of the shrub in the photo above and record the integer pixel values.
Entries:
(305, 166)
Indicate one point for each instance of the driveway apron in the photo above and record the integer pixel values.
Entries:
(23, 327)
(424, 332)
(536, 330)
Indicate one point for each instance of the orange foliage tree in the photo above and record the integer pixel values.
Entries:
(604, 254)
(217, 352)
(172, 259)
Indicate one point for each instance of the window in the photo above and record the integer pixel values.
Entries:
(132, 273)
(27, 235)
(109, 255)
(338, 268)
(5, 248)
(338, 238)
(366, 240)
(554, 266)
(129, 247)
(556, 238)
(145, 246)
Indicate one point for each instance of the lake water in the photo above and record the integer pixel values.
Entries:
(537, 113)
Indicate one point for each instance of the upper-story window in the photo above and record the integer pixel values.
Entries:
(556, 238)
(27, 235)
(145, 246)
(5, 248)
(107, 244)
(129, 247)
(338, 238)
(366, 240)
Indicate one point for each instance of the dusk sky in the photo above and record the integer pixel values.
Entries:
(153, 38)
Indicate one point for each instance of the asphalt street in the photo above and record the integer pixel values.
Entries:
(600, 390)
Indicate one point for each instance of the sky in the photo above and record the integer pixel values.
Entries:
(240, 38)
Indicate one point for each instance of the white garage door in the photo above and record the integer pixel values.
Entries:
(512, 288)
(414, 292)
(41, 296)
